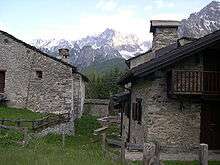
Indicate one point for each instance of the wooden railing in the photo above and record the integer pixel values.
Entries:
(195, 82)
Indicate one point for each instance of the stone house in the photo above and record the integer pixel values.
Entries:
(30, 78)
(173, 91)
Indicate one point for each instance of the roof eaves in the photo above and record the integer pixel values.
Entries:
(187, 49)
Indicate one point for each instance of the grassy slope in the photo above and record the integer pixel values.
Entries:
(15, 113)
(81, 149)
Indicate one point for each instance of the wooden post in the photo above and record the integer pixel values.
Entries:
(25, 141)
(18, 123)
(148, 153)
(63, 139)
(123, 152)
(103, 142)
(203, 155)
(123, 145)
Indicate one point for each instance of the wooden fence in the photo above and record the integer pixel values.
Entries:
(37, 125)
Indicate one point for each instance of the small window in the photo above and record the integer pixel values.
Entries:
(137, 110)
(39, 74)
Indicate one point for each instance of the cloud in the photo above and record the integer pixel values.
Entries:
(107, 5)
(168, 16)
(162, 4)
(3, 26)
(121, 23)
(148, 7)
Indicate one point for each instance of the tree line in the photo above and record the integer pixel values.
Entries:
(103, 86)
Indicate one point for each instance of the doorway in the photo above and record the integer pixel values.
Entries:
(210, 124)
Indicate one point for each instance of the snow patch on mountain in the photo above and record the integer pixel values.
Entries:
(203, 22)
(91, 49)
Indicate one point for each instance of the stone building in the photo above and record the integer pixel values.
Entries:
(32, 79)
(174, 91)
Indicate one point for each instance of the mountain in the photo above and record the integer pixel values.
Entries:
(96, 49)
(110, 44)
(203, 22)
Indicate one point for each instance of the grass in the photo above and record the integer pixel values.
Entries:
(15, 113)
(82, 149)
(19, 114)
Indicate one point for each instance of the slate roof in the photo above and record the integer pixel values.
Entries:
(170, 55)
(44, 54)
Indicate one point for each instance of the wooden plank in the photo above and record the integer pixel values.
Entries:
(100, 129)
(114, 142)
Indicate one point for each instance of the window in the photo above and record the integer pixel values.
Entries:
(39, 74)
(2, 81)
(137, 110)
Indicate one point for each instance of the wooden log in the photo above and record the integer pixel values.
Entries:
(203, 156)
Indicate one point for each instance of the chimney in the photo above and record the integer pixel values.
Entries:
(64, 54)
(164, 33)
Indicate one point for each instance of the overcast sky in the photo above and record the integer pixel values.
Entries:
(73, 19)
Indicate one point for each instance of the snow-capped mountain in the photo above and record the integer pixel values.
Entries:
(112, 44)
(203, 22)
(91, 49)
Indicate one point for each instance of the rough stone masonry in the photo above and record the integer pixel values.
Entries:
(36, 81)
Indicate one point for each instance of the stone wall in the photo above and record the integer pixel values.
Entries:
(58, 91)
(174, 123)
(97, 107)
(164, 37)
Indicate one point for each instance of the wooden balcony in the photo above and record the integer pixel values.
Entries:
(194, 82)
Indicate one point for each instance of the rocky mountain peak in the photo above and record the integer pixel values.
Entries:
(108, 34)
(104, 46)
(201, 23)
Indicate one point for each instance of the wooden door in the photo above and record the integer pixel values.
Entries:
(210, 125)
(2, 81)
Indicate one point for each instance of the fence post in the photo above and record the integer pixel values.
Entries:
(123, 152)
(3, 121)
(123, 145)
(203, 155)
(18, 123)
(25, 141)
(63, 139)
(148, 153)
(103, 142)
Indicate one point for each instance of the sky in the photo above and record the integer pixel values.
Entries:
(74, 19)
